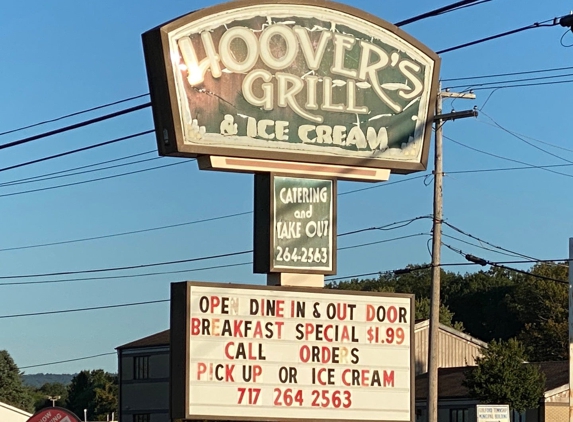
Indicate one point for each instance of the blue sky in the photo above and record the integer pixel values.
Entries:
(63, 56)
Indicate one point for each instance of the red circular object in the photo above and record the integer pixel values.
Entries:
(54, 414)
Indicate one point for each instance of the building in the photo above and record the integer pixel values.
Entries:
(144, 379)
(12, 414)
(455, 406)
(144, 369)
(456, 348)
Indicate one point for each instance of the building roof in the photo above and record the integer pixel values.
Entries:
(425, 324)
(450, 380)
(157, 339)
(13, 409)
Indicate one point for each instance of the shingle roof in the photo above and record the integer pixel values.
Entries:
(157, 339)
(450, 379)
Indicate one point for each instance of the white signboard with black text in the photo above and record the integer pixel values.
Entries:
(284, 353)
(492, 413)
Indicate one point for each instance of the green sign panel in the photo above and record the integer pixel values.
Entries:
(297, 80)
(303, 225)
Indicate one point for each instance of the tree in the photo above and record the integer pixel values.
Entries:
(542, 307)
(480, 300)
(95, 391)
(51, 389)
(502, 377)
(446, 317)
(12, 389)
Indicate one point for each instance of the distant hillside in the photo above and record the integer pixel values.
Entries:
(37, 380)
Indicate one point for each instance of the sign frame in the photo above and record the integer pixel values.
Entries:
(167, 115)
(179, 348)
(264, 226)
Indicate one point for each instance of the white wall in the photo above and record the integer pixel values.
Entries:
(11, 414)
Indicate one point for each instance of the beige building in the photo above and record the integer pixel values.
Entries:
(12, 414)
(456, 348)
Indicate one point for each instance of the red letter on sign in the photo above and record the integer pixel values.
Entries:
(370, 313)
(195, 326)
(201, 369)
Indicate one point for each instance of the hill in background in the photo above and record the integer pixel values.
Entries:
(37, 380)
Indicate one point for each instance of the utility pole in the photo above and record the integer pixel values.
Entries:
(433, 345)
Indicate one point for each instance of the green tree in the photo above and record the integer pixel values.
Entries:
(96, 391)
(502, 377)
(52, 389)
(480, 301)
(12, 389)
(542, 307)
(446, 317)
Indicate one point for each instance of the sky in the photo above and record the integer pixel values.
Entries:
(64, 56)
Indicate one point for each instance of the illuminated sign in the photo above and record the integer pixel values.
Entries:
(299, 80)
(248, 352)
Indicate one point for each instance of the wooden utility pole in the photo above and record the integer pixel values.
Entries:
(433, 345)
(433, 348)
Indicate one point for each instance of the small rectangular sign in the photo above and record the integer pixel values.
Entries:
(303, 226)
(253, 352)
(295, 224)
(493, 413)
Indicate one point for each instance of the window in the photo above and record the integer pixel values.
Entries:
(459, 415)
(144, 417)
(141, 372)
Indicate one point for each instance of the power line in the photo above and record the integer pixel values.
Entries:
(127, 267)
(391, 226)
(525, 140)
(506, 169)
(382, 184)
(483, 84)
(500, 75)
(74, 151)
(482, 247)
(442, 10)
(67, 360)
(74, 114)
(383, 241)
(524, 85)
(107, 236)
(69, 173)
(77, 173)
(450, 225)
(164, 263)
(507, 159)
(472, 261)
(483, 262)
(41, 176)
(92, 308)
(529, 137)
(93, 180)
(118, 277)
(503, 34)
(74, 126)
